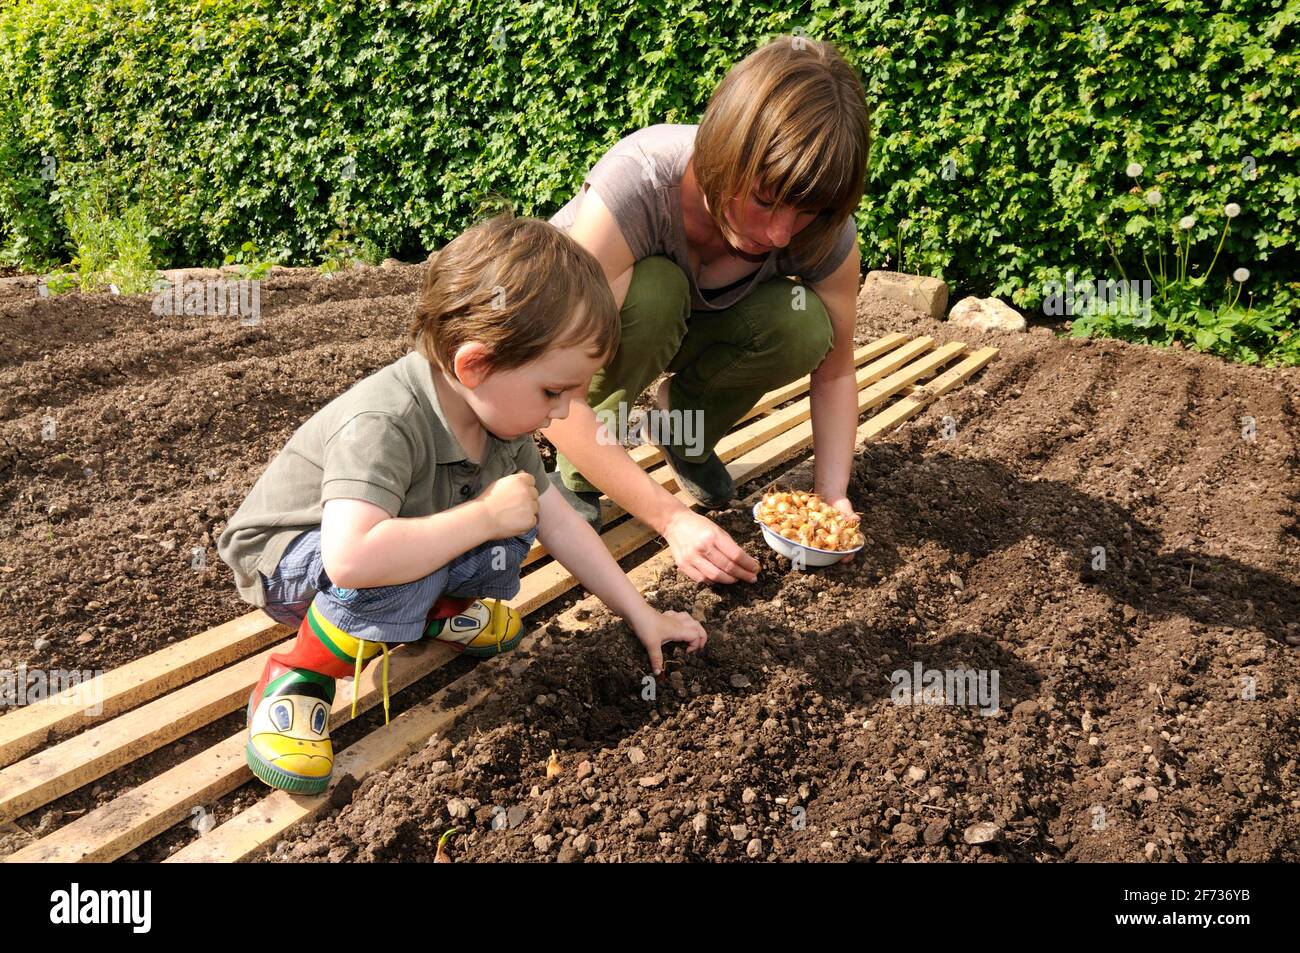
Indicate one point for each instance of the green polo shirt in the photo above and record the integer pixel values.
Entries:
(385, 441)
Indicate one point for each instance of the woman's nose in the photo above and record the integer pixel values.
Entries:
(780, 227)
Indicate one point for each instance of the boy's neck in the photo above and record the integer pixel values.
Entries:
(465, 425)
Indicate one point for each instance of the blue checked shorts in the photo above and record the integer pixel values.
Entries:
(389, 613)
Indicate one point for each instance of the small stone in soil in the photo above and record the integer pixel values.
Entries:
(935, 832)
(984, 832)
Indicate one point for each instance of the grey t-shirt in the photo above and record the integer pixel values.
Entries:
(639, 179)
(385, 441)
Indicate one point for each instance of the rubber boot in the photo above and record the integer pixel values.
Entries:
(479, 629)
(288, 744)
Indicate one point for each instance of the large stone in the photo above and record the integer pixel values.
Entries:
(916, 291)
(986, 314)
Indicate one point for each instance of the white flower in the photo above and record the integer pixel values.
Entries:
(1134, 170)
(1153, 197)
(1187, 221)
(1241, 274)
(1232, 210)
(1101, 219)
(905, 223)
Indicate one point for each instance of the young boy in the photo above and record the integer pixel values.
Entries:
(403, 504)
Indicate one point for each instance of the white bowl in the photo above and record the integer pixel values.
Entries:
(796, 552)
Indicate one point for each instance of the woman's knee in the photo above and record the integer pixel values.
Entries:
(657, 304)
(794, 327)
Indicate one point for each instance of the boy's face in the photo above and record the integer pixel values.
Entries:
(515, 402)
(763, 226)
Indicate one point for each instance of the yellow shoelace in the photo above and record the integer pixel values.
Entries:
(356, 676)
(499, 629)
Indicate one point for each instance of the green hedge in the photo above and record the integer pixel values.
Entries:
(284, 123)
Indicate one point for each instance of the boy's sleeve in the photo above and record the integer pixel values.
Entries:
(371, 458)
(529, 460)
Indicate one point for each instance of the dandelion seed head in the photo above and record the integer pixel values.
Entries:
(1134, 170)
(1232, 210)
(1187, 221)
(1241, 274)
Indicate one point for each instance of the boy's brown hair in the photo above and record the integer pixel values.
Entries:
(790, 119)
(521, 287)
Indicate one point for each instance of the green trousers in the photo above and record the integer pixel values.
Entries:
(722, 361)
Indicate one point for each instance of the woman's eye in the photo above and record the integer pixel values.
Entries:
(761, 203)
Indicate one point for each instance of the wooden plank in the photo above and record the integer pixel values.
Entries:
(138, 815)
(123, 688)
(922, 397)
(41, 778)
(147, 810)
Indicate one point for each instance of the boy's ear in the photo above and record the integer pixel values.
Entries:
(471, 363)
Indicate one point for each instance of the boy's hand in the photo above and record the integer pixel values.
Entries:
(511, 505)
(672, 626)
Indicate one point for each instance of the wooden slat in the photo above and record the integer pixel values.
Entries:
(922, 397)
(147, 810)
(123, 688)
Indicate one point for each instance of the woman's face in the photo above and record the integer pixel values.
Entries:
(762, 226)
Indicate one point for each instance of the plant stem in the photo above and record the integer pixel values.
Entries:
(1226, 223)
(1114, 256)
(1147, 266)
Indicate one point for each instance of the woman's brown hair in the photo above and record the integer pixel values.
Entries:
(789, 119)
(519, 286)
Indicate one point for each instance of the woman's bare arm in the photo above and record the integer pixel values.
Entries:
(834, 393)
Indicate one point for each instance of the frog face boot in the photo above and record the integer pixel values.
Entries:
(288, 744)
(476, 627)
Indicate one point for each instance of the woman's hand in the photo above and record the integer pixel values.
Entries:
(658, 628)
(844, 506)
(704, 551)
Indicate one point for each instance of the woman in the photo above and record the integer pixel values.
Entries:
(696, 229)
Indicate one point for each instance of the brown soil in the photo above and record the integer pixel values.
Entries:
(1122, 731)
